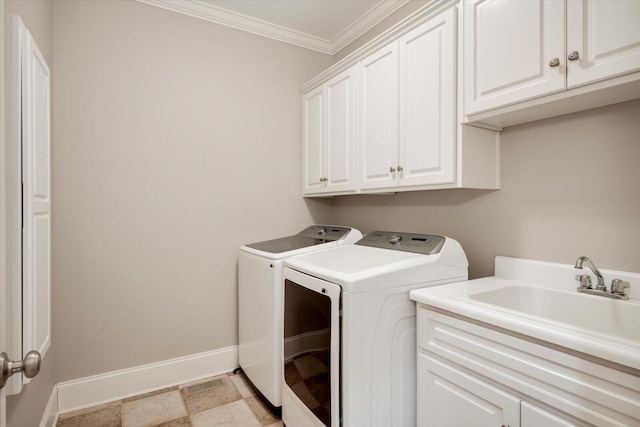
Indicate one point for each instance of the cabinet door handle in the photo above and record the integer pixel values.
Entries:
(574, 56)
(554, 62)
(400, 168)
(392, 169)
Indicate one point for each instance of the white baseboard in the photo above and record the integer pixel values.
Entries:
(50, 416)
(111, 386)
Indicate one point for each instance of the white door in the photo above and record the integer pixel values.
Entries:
(428, 102)
(605, 36)
(340, 137)
(378, 118)
(25, 313)
(36, 207)
(509, 46)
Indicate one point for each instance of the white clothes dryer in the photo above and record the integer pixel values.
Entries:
(260, 302)
(350, 328)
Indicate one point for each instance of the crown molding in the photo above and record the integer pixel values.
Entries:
(218, 15)
(365, 23)
(429, 9)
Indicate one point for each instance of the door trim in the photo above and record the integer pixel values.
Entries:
(4, 318)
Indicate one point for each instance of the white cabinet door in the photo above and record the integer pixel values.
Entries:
(427, 101)
(378, 118)
(534, 416)
(606, 37)
(508, 48)
(340, 136)
(313, 134)
(448, 397)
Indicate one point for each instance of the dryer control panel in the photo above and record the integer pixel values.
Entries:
(426, 244)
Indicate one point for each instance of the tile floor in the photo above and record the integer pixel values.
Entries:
(231, 403)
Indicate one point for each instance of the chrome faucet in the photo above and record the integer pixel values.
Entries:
(618, 287)
(600, 286)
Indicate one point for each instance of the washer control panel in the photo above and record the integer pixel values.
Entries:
(327, 233)
(409, 242)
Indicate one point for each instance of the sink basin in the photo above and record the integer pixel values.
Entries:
(589, 312)
(538, 301)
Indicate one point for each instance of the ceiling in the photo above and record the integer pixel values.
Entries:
(322, 25)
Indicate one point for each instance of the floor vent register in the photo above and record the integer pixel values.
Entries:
(203, 386)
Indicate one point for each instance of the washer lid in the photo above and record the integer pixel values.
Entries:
(310, 236)
(352, 261)
(365, 267)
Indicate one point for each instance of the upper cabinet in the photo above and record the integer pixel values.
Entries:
(406, 125)
(406, 105)
(508, 44)
(603, 40)
(378, 118)
(427, 103)
(547, 52)
(329, 136)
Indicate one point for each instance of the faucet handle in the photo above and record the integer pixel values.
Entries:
(619, 287)
(585, 281)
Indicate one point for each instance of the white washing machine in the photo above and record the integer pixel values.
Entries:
(350, 328)
(260, 302)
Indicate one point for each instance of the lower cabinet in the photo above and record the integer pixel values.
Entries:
(471, 375)
(449, 397)
(533, 416)
(452, 398)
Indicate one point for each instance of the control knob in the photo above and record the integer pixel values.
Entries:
(395, 239)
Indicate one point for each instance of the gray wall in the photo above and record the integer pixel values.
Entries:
(177, 141)
(569, 188)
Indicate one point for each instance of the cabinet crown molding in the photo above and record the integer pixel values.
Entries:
(430, 9)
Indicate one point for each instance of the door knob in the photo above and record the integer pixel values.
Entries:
(30, 366)
(392, 169)
(574, 56)
(555, 62)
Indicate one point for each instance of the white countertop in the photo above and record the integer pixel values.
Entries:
(553, 311)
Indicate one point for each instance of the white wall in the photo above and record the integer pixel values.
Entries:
(176, 141)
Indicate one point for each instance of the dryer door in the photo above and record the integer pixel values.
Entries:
(311, 351)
